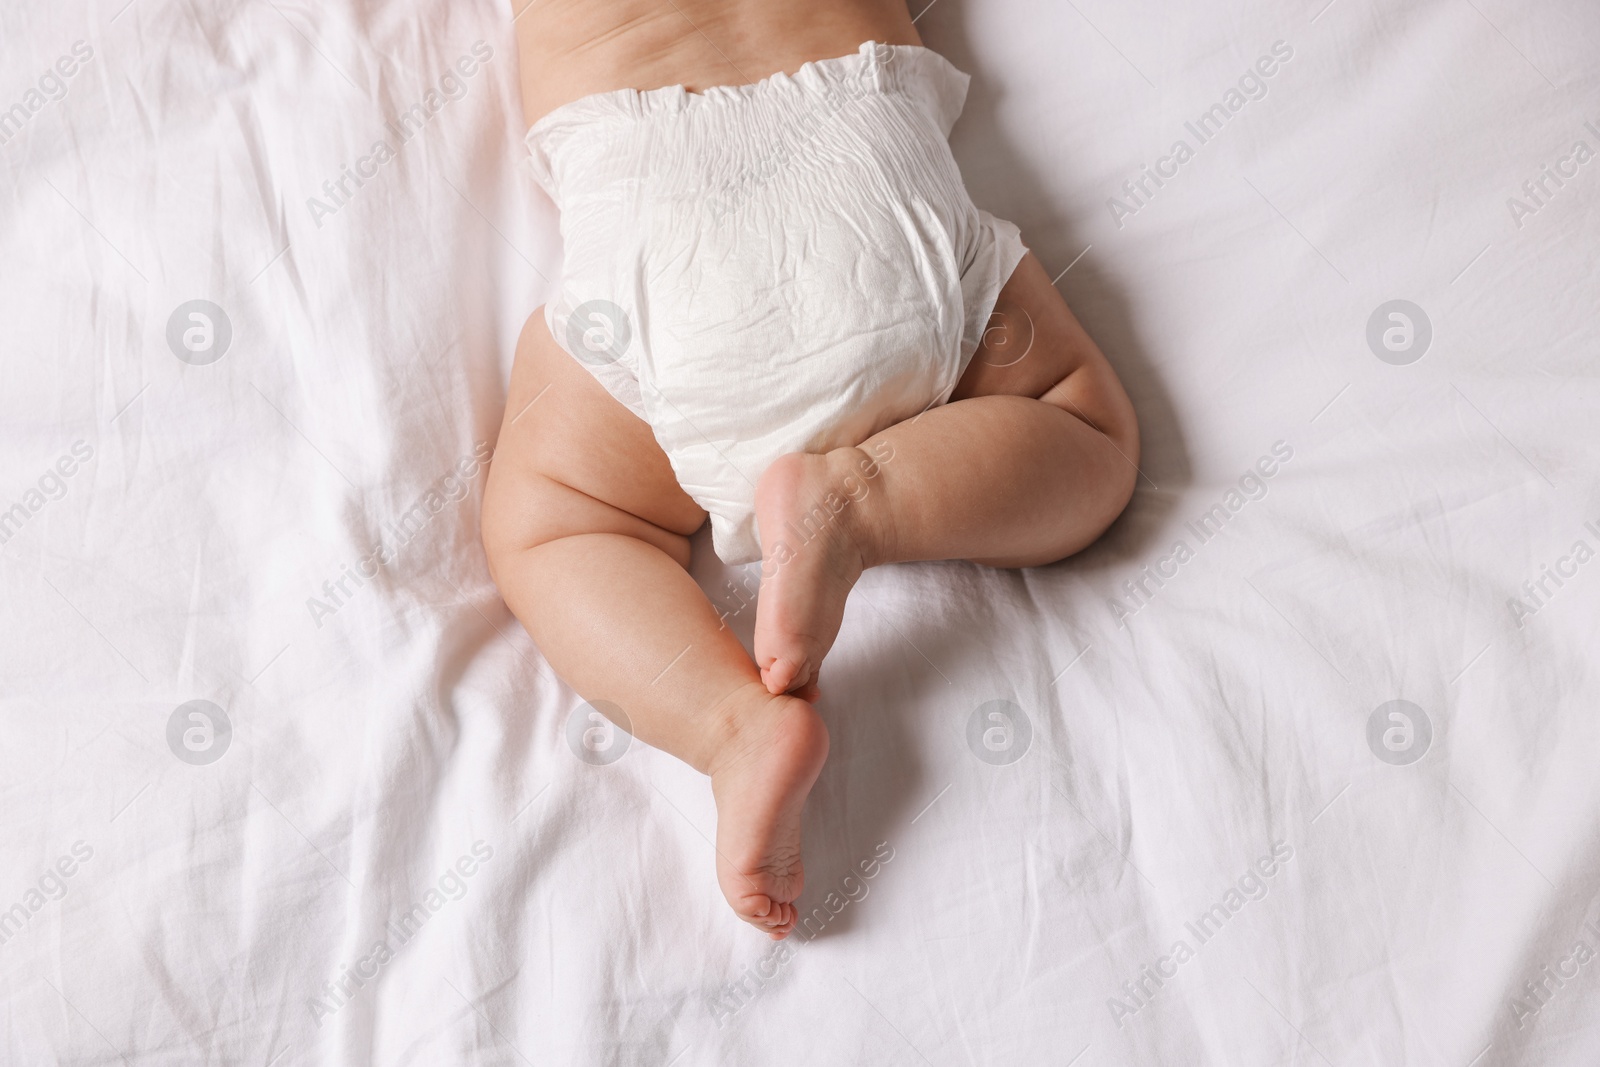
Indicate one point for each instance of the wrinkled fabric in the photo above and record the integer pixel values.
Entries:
(788, 266)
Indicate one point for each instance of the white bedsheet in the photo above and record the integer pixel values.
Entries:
(394, 796)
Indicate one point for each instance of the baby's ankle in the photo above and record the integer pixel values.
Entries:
(750, 720)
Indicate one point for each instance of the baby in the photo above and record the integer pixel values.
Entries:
(780, 311)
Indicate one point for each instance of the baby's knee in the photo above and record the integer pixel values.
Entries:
(522, 510)
(1124, 479)
(528, 510)
(499, 527)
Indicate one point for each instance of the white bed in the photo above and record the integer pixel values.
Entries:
(394, 768)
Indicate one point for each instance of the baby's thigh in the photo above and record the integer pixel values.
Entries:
(572, 459)
(1035, 347)
(1032, 341)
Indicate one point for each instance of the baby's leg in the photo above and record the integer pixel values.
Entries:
(1031, 460)
(587, 536)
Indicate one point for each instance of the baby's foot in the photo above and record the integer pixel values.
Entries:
(760, 780)
(812, 559)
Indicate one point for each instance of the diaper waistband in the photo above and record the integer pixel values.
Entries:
(874, 68)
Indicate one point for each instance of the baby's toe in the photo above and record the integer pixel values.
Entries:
(779, 676)
(769, 916)
(786, 915)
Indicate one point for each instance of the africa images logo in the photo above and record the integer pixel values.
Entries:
(599, 732)
(199, 732)
(199, 332)
(999, 732)
(598, 332)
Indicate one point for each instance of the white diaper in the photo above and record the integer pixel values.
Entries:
(789, 266)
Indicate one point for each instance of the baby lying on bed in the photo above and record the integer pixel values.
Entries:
(779, 310)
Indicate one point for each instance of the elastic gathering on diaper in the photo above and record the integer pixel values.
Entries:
(875, 67)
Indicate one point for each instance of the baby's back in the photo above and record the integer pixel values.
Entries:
(574, 48)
